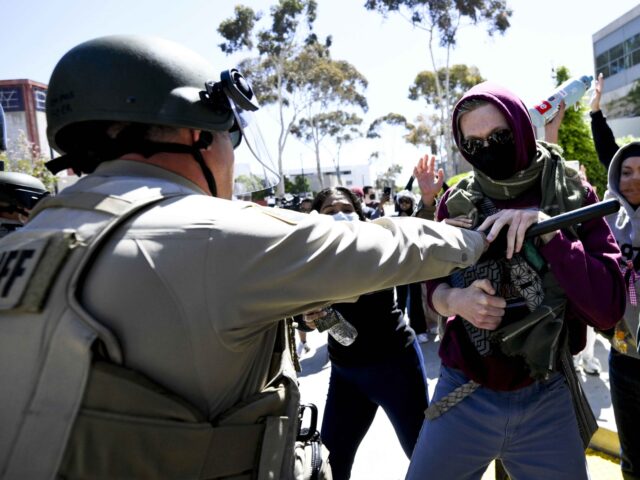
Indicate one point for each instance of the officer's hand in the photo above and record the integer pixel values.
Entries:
(478, 304)
(519, 221)
(310, 317)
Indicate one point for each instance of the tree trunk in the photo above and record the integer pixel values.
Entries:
(319, 169)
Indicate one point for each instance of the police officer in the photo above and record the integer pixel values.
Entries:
(180, 298)
(19, 193)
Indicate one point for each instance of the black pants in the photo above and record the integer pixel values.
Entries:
(624, 377)
(411, 296)
(398, 385)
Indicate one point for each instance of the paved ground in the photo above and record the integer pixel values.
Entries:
(380, 456)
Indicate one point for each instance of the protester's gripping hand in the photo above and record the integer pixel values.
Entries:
(552, 128)
(518, 221)
(477, 303)
(597, 93)
(429, 181)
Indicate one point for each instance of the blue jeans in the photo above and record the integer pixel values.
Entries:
(398, 385)
(533, 431)
(624, 379)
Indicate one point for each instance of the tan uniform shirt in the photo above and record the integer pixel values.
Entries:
(193, 287)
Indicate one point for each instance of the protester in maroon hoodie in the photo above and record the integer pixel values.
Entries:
(517, 315)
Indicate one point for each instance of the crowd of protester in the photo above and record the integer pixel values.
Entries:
(585, 276)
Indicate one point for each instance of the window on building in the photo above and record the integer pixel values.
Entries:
(40, 98)
(602, 61)
(616, 52)
(620, 57)
(11, 99)
(632, 43)
(616, 66)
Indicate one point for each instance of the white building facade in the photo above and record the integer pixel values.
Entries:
(616, 51)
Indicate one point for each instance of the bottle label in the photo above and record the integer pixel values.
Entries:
(543, 107)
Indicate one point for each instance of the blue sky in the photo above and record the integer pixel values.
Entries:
(544, 34)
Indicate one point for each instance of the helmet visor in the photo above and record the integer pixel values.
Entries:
(254, 168)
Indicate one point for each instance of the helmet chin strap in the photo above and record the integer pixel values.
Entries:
(206, 138)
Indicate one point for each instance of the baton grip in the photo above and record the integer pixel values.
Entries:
(573, 217)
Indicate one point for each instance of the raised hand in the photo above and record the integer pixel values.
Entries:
(552, 128)
(429, 181)
(597, 93)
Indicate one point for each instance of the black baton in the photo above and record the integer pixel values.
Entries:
(567, 219)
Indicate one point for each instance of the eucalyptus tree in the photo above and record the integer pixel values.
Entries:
(435, 127)
(273, 69)
(334, 92)
(417, 134)
(441, 21)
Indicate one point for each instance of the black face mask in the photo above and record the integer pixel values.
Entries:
(496, 160)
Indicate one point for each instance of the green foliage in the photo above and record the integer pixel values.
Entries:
(418, 134)
(441, 19)
(633, 100)
(334, 124)
(444, 17)
(300, 184)
(273, 72)
(429, 128)
(294, 72)
(389, 119)
(575, 139)
(333, 89)
(461, 79)
(237, 30)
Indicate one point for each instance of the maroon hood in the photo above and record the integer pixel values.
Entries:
(514, 112)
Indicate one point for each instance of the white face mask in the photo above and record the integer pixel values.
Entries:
(347, 217)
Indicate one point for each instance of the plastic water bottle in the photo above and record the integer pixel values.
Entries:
(341, 330)
(570, 91)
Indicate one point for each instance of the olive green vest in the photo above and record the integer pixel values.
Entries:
(70, 409)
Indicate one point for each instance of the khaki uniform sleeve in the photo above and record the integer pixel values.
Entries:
(278, 264)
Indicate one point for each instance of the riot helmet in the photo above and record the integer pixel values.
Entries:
(141, 82)
(19, 193)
